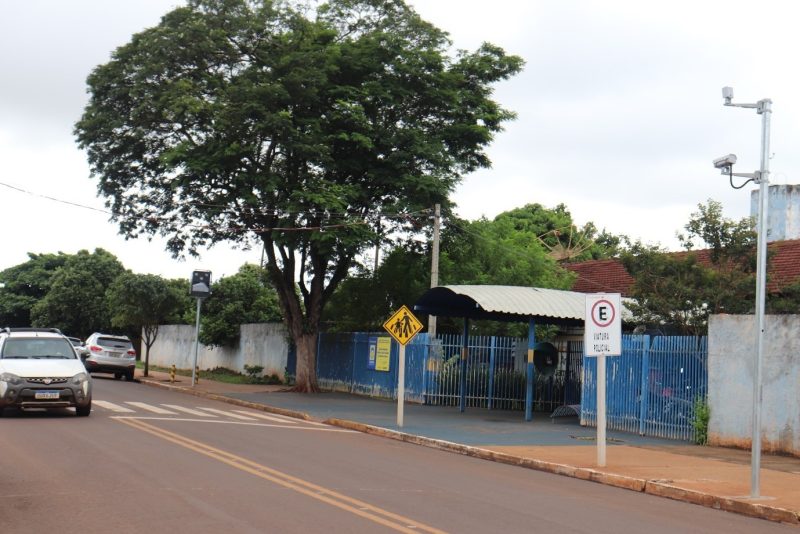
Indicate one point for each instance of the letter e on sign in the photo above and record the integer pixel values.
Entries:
(603, 325)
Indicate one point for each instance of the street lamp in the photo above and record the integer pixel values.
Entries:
(761, 177)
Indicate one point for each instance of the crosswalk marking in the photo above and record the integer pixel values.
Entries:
(277, 419)
(227, 414)
(111, 406)
(150, 408)
(188, 410)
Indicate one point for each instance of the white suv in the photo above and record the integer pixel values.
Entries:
(107, 353)
(39, 368)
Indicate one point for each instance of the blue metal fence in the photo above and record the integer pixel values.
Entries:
(651, 389)
(343, 364)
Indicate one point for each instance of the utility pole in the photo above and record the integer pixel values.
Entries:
(437, 220)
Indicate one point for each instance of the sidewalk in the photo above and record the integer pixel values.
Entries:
(710, 476)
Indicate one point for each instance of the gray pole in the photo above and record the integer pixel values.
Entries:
(434, 265)
(765, 110)
(196, 340)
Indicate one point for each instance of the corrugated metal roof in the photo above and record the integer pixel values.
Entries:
(527, 301)
(505, 303)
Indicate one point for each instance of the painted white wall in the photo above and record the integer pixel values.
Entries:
(264, 344)
(731, 357)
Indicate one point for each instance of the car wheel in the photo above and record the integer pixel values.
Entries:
(129, 376)
(117, 376)
(1, 411)
(83, 411)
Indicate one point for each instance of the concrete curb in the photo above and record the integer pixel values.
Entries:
(658, 488)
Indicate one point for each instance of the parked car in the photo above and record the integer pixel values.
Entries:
(39, 368)
(79, 347)
(107, 353)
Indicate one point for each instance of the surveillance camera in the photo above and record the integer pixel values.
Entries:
(727, 94)
(725, 161)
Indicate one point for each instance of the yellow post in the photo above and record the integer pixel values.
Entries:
(172, 374)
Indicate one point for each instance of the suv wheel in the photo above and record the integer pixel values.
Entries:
(129, 376)
(83, 411)
(117, 376)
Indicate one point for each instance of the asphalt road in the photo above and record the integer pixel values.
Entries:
(150, 460)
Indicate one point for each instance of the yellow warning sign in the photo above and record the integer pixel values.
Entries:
(402, 325)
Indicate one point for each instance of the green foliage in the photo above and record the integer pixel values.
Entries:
(76, 300)
(254, 371)
(505, 251)
(245, 118)
(235, 300)
(679, 290)
(25, 285)
(142, 301)
(700, 418)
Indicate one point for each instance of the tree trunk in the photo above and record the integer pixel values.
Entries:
(306, 375)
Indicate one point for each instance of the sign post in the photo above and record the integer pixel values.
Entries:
(602, 337)
(200, 289)
(402, 326)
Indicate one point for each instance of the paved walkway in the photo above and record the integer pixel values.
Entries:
(710, 476)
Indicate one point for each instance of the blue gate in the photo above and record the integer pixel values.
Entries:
(652, 388)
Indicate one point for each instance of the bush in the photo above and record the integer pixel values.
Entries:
(700, 418)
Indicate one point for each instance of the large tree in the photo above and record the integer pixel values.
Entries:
(26, 284)
(76, 300)
(241, 119)
(143, 302)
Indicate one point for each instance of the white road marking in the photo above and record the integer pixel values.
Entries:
(188, 410)
(274, 418)
(151, 408)
(111, 406)
(227, 414)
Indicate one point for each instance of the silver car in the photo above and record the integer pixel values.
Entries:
(107, 353)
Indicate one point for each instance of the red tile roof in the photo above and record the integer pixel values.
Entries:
(610, 276)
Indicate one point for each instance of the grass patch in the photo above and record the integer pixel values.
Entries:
(219, 374)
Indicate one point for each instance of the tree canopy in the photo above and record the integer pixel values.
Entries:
(235, 120)
(143, 302)
(25, 284)
(76, 300)
(682, 290)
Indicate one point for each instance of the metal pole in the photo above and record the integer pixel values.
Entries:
(529, 371)
(601, 411)
(462, 386)
(765, 110)
(434, 266)
(401, 384)
(196, 341)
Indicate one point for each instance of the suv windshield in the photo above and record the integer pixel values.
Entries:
(24, 348)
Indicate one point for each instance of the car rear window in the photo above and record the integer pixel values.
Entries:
(114, 342)
(24, 348)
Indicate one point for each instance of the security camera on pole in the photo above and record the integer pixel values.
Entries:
(760, 177)
(200, 289)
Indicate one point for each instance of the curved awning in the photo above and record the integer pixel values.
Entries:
(505, 303)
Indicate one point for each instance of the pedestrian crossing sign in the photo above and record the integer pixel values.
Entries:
(402, 325)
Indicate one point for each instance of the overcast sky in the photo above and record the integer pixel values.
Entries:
(619, 104)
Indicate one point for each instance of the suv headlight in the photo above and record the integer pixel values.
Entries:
(5, 380)
(10, 378)
(82, 379)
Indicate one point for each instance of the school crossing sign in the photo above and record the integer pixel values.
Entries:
(603, 325)
(402, 325)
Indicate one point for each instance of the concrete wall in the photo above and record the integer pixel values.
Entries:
(731, 354)
(783, 218)
(259, 344)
